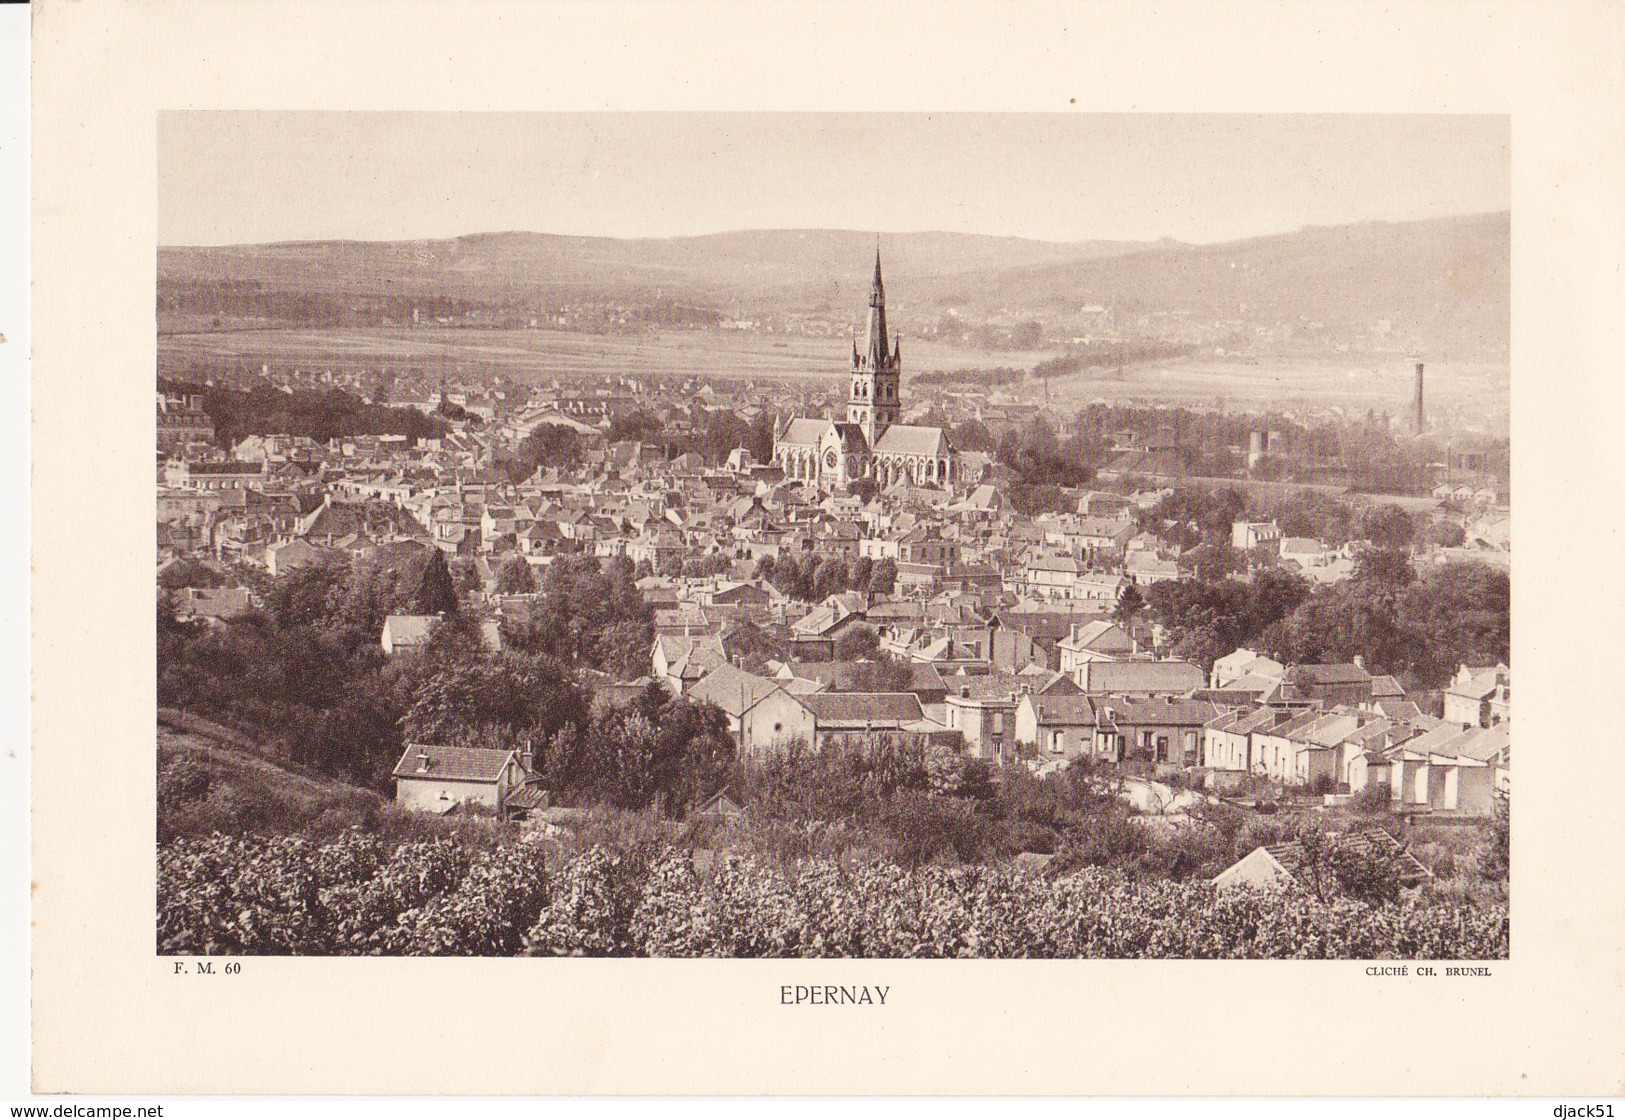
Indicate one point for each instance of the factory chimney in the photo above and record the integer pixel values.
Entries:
(1255, 448)
(1421, 418)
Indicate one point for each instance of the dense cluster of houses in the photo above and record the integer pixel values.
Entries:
(1324, 729)
(989, 631)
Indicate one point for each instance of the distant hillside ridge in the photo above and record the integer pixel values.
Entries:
(1447, 280)
(1442, 282)
(722, 264)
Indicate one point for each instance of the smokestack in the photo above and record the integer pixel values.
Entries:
(1255, 448)
(1421, 418)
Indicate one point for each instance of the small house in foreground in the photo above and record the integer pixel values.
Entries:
(438, 779)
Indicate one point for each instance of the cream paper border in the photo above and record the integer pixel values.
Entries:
(109, 1017)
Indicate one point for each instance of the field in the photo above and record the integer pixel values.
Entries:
(1473, 393)
(542, 355)
(1356, 384)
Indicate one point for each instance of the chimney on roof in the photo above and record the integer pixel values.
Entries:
(1359, 661)
(423, 761)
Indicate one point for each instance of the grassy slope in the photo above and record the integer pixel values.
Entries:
(210, 776)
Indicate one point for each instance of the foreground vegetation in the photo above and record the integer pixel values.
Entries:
(354, 895)
(854, 852)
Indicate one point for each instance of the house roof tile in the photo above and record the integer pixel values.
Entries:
(453, 764)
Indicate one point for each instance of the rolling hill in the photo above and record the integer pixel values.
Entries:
(1447, 280)
(724, 265)
(1444, 283)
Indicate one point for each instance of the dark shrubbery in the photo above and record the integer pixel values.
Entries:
(359, 895)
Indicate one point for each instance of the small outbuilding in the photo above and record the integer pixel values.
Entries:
(1281, 864)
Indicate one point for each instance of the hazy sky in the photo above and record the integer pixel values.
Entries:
(237, 177)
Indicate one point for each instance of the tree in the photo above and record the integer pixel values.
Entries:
(1205, 620)
(972, 435)
(309, 596)
(859, 572)
(1315, 872)
(857, 643)
(1309, 513)
(435, 593)
(657, 751)
(1384, 568)
(1129, 604)
(1386, 527)
(1366, 872)
(1045, 466)
(454, 640)
(550, 445)
(1462, 614)
(1497, 860)
(884, 579)
(1349, 619)
(591, 616)
(864, 489)
(187, 572)
(1213, 562)
(884, 674)
(751, 647)
(1446, 534)
(514, 576)
(475, 697)
(700, 567)
(1028, 335)
(829, 578)
(639, 425)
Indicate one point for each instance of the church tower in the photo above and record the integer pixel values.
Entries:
(875, 398)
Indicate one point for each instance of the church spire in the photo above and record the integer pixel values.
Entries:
(876, 348)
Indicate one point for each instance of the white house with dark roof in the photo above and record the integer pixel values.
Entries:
(1227, 739)
(855, 714)
(1253, 534)
(1157, 729)
(1058, 726)
(406, 633)
(437, 779)
(982, 708)
(761, 713)
(1479, 696)
(1450, 770)
(1096, 640)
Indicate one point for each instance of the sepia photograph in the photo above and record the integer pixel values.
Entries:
(853, 535)
(832, 549)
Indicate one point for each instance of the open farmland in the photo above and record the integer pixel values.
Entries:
(1352, 383)
(1473, 391)
(542, 355)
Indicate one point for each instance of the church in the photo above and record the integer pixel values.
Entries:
(869, 443)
